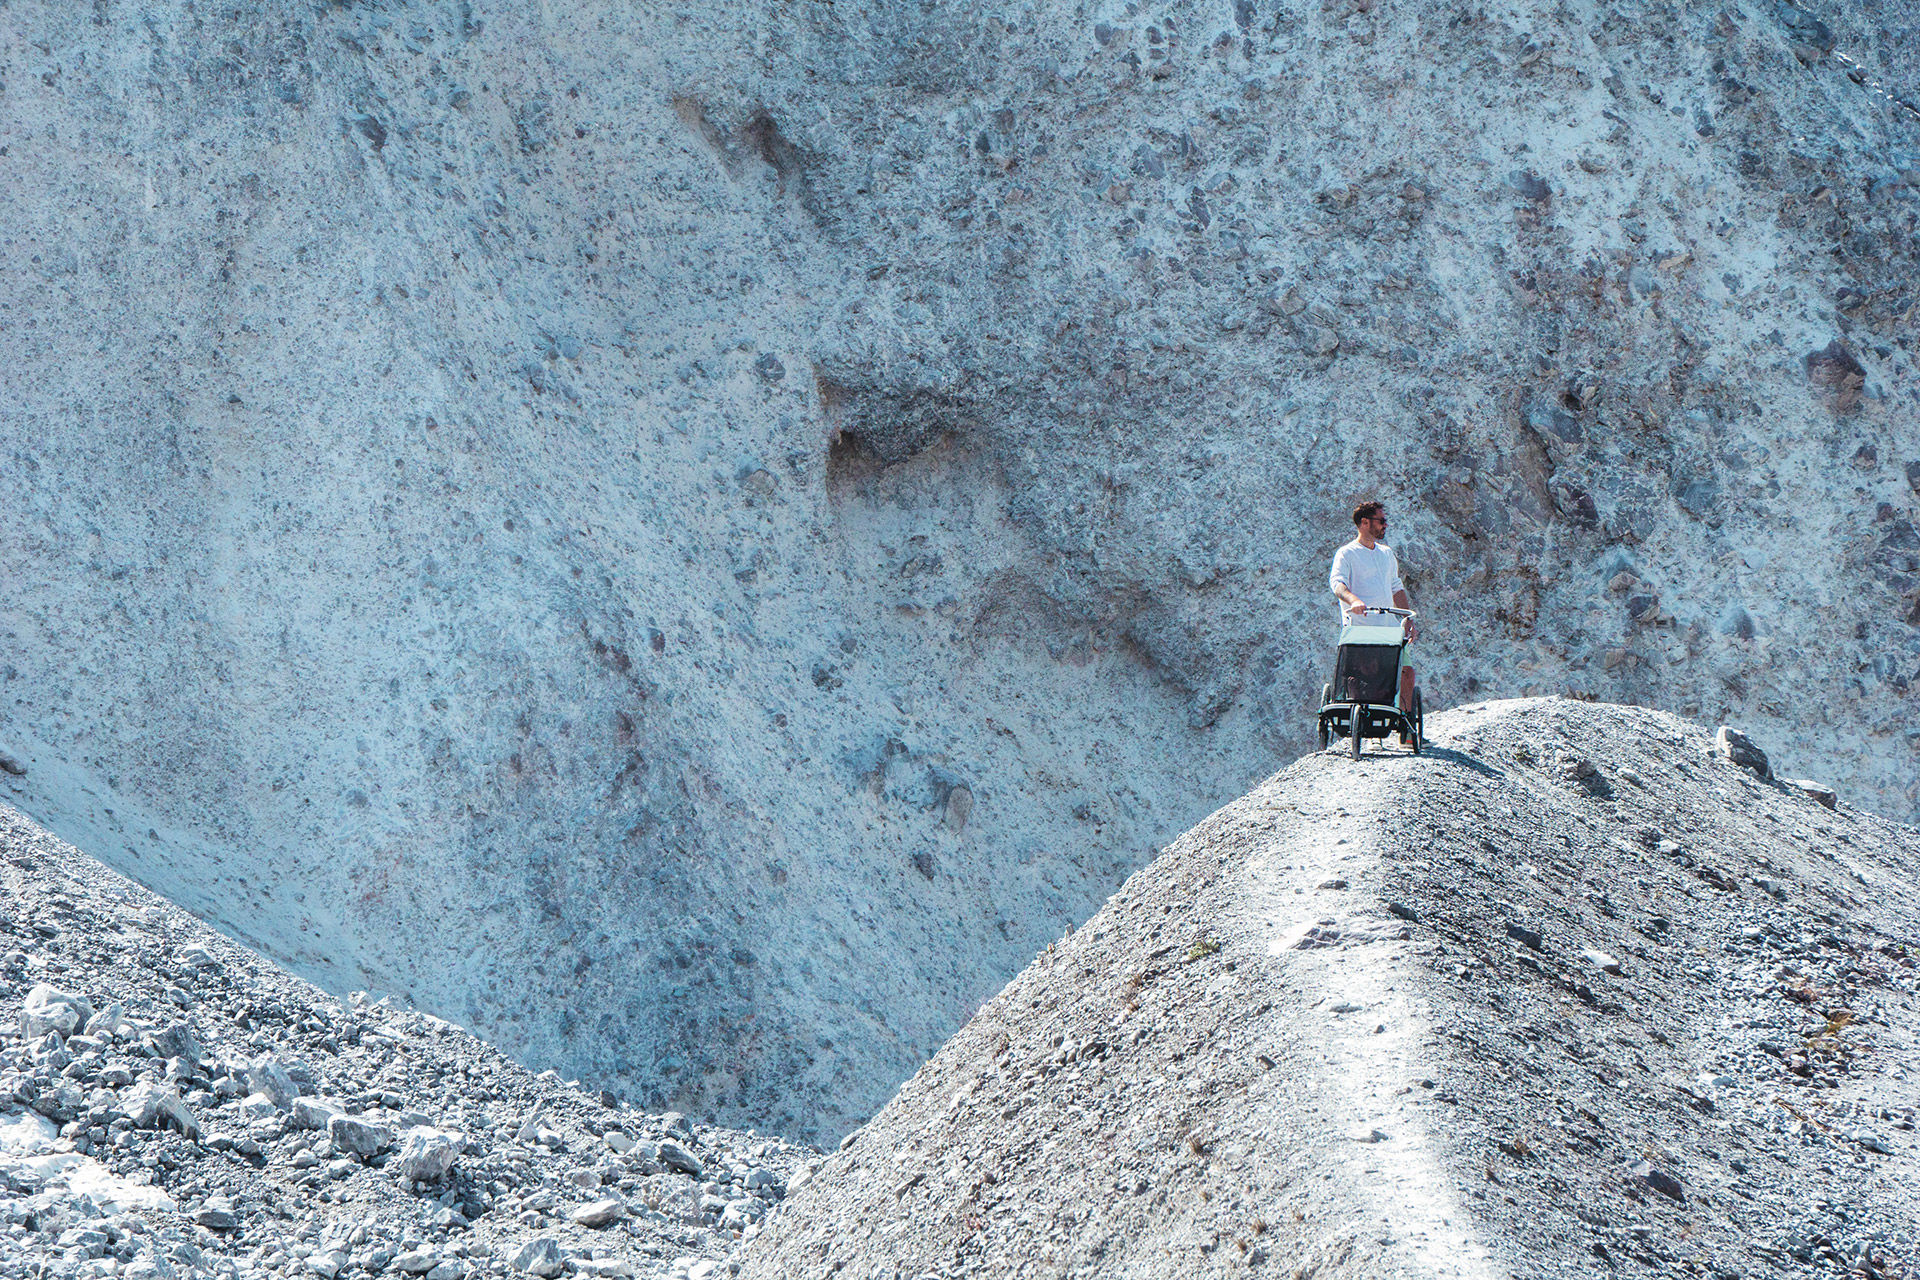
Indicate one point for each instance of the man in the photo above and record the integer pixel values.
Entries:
(1366, 574)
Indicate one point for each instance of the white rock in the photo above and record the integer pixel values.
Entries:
(266, 1075)
(49, 1009)
(425, 1154)
(600, 1213)
(1601, 961)
(314, 1113)
(154, 1106)
(326, 1264)
(198, 957)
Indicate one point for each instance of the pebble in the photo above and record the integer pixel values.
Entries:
(297, 1097)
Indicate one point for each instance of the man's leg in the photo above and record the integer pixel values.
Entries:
(1406, 700)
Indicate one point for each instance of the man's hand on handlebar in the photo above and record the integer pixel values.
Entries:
(1357, 612)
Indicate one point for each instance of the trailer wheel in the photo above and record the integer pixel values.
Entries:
(1418, 721)
(1359, 725)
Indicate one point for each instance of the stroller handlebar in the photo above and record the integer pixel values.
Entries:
(1381, 608)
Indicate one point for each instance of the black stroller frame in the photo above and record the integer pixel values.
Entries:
(1366, 684)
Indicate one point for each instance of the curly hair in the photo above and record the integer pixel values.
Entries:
(1367, 510)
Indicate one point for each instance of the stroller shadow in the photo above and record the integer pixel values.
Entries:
(1428, 751)
(1460, 758)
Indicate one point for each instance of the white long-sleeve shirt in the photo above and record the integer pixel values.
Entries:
(1373, 575)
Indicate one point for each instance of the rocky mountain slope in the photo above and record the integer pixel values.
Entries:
(172, 1105)
(1568, 995)
(694, 541)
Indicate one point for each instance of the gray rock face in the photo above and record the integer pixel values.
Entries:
(676, 479)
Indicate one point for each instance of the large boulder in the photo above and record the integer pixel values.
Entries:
(159, 1106)
(267, 1075)
(359, 1137)
(49, 1009)
(1736, 747)
(425, 1154)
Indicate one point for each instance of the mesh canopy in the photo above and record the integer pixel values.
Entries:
(1374, 669)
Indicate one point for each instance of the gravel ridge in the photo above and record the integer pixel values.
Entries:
(1570, 994)
(637, 485)
(174, 1105)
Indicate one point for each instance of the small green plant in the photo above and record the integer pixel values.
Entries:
(1202, 948)
(1524, 754)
